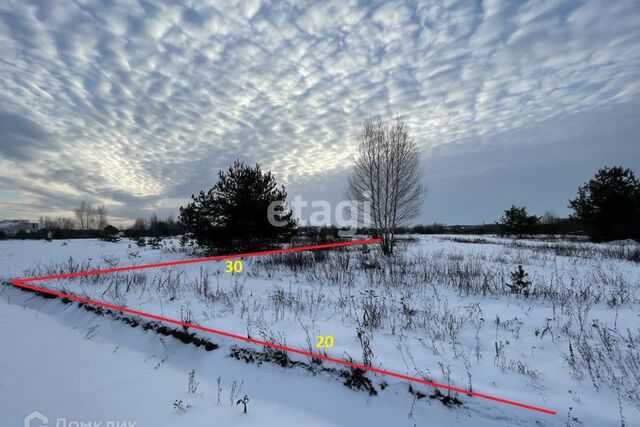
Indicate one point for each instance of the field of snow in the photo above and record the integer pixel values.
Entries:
(441, 309)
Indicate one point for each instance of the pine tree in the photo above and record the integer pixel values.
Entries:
(234, 213)
(609, 205)
(519, 283)
(516, 221)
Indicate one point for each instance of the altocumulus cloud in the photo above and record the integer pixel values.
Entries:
(139, 103)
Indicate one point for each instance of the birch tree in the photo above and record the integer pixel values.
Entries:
(387, 175)
(102, 214)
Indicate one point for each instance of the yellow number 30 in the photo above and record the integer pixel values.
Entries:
(234, 267)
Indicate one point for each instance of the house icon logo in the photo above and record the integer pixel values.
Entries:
(36, 419)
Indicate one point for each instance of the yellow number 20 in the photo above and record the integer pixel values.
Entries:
(324, 342)
(233, 267)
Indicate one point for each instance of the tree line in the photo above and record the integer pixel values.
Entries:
(87, 217)
(93, 221)
(606, 208)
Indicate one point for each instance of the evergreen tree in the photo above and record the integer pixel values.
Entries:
(516, 221)
(519, 282)
(235, 211)
(609, 205)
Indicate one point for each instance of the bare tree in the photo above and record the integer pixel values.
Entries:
(549, 217)
(90, 217)
(48, 223)
(80, 213)
(153, 224)
(65, 223)
(388, 176)
(86, 214)
(101, 213)
(140, 225)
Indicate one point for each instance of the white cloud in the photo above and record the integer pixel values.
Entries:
(146, 100)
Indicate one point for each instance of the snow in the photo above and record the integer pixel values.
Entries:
(444, 310)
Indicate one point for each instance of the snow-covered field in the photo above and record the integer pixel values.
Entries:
(439, 310)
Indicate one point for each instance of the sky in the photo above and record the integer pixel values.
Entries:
(138, 104)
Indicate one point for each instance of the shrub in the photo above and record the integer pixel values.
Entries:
(185, 240)
(21, 234)
(192, 384)
(110, 234)
(155, 242)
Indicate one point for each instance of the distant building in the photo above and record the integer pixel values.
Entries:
(11, 226)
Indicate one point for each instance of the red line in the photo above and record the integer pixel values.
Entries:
(197, 260)
(21, 284)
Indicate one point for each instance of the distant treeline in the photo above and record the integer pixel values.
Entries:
(55, 234)
(65, 228)
(155, 227)
(562, 226)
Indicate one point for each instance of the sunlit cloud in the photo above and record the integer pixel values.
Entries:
(140, 103)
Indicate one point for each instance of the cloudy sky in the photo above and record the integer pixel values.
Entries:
(137, 104)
